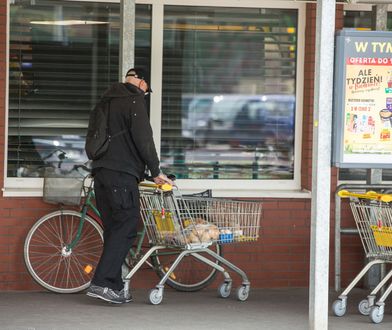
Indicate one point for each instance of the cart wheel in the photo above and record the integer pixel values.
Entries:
(338, 308)
(155, 296)
(243, 293)
(224, 290)
(376, 315)
(364, 307)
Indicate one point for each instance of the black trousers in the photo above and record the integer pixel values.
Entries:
(117, 199)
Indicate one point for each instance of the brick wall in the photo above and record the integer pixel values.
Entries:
(279, 259)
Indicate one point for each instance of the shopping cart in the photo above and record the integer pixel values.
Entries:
(373, 217)
(192, 224)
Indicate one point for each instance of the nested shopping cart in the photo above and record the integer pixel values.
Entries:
(373, 217)
(192, 224)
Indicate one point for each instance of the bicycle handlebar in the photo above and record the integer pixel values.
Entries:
(83, 167)
(162, 187)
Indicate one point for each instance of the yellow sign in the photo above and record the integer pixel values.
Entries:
(382, 235)
(368, 107)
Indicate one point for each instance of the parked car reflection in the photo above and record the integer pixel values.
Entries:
(240, 120)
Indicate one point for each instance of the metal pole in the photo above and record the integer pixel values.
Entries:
(127, 50)
(379, 17)
(374, 176)
(338, 238)
(127, 36)
(321, 165)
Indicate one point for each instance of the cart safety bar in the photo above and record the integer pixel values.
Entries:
(163, 187)
(368, 195)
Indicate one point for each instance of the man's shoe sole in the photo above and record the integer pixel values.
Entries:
(94, 295)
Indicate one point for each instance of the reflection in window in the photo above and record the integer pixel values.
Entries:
(358, 19)
(63, 55)
(228, 103)
(362, 20)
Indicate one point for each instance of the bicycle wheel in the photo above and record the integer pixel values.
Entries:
(191, 274)
(47, 259)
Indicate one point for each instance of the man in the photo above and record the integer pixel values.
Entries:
(116, 177)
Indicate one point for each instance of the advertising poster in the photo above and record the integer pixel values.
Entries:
(363, 100)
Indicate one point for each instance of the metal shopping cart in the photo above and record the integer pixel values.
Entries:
(192, 224)
(373, 217)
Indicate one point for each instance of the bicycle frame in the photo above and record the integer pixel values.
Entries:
(89, 205)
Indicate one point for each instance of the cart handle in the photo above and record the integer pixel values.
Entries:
(162, 187)
(368, 195)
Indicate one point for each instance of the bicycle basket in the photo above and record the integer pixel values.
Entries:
(61, 189)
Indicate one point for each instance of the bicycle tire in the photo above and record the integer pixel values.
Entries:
(50, 264)
(191, 274)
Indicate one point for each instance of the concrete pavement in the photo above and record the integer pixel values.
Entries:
(273, 309)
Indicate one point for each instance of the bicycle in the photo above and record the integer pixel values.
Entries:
(63, 247)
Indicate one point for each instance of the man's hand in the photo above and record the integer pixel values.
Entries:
(162, 178)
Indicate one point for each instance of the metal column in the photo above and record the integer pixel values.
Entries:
(374, 176)
(127, 36)
(379, 17)
(321, 165)
(127, 47)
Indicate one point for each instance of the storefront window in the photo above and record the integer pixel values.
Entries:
(362, 19)
(358, 19)
(63, 55)
(229, 86)
(229, 83)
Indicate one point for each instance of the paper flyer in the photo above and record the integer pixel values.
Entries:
(367, 108)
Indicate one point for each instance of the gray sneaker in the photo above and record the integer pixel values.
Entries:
(127, 297)
(106, 294)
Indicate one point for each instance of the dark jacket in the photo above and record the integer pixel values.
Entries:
(132, 151)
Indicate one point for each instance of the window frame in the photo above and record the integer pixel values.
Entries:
(241, 188)
(361, 7)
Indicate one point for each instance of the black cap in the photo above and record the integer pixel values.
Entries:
(138, 73)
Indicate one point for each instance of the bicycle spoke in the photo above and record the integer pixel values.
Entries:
(191, 274)
(79, 265)
(48, 240)
(47, 260)
(48, 274)
(46, 245)
(69, 271)
(86, 237)
(57, 232)
(57, 269)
